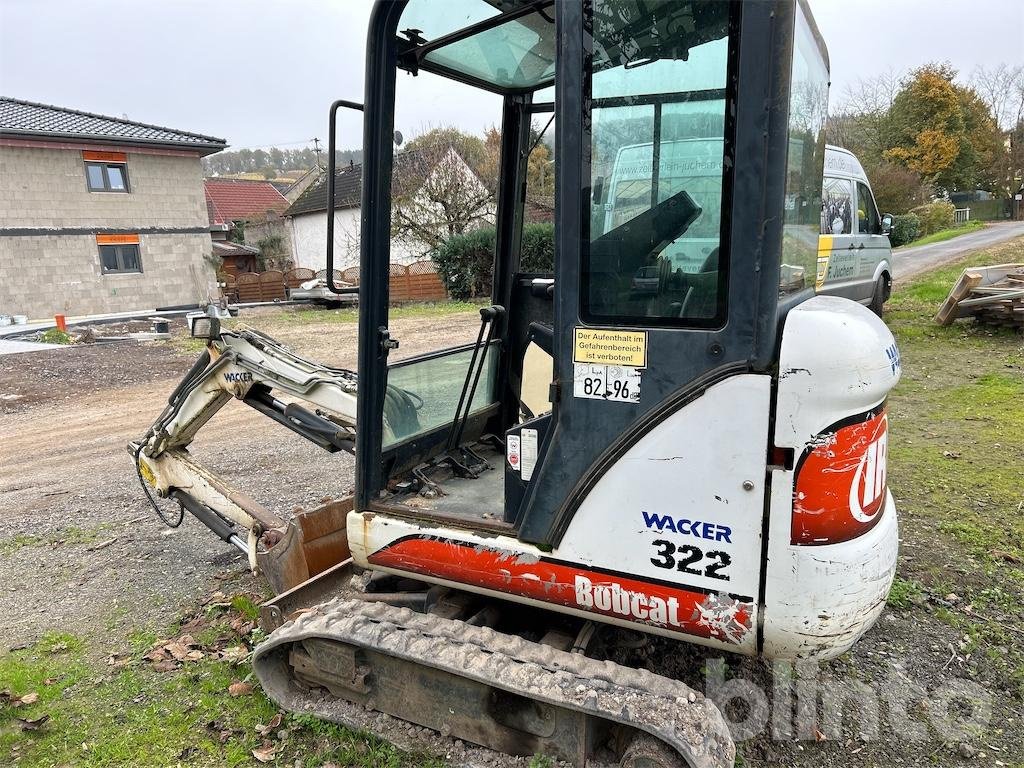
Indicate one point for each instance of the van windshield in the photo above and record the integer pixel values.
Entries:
(693, 166)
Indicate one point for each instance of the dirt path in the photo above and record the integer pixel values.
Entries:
(80, 549)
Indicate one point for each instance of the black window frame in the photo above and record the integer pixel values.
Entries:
(721, 317)
(104, 169)
(119, 258)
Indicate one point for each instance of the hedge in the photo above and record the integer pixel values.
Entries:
(466, 262)
(905, 228)
(935, 217)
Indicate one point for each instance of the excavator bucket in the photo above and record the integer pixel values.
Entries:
(311, 543)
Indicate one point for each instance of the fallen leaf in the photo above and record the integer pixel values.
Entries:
(239, 688)
(188, 641)
(32, 725)
(167, 665)
(58, 648)
(951, 454)
(30, 698)
(6, 695)
(195, 655)
(1007, 556)
(235, 653)
(177, 650)
(265, 754)
(270, 727)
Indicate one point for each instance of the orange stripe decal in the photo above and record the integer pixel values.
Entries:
(104, 157)
(117, 239)
(712, 615)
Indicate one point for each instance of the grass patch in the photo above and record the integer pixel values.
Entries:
(73, 536)
(957, 432)
(56, 336)
(130, 714)
(904, 593)
(186, 345)
(947, 234)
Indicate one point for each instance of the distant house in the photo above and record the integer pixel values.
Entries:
(99, 214)
(417, 177)
(298, 184)
(257, 207)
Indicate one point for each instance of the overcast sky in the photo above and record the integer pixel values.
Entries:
(260, 73)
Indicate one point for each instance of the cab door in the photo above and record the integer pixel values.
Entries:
(631, 355)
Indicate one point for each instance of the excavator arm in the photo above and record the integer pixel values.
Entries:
(315, 401)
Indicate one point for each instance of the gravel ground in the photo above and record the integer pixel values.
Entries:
(81, 551)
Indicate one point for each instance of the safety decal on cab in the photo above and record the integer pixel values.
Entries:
(840, 486)
(607, 364)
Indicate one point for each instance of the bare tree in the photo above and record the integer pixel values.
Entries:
(436, 194)
(1002, 89)
(861, 116)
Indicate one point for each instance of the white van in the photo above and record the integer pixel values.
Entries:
(694, 165)
(854, 254)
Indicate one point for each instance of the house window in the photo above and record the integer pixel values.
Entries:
(107, 177)
(119, 254)
(120, 258)
(106, 171)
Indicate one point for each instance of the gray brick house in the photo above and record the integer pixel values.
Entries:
(99, 214)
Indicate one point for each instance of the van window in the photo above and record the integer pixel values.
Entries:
(837, 207)
(868, 222)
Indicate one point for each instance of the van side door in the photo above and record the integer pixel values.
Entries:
(873, 246)
(837, 238)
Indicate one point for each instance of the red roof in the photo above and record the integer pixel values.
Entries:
(230, 200)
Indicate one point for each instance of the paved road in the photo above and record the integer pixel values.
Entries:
(918, 258)
(14, 346)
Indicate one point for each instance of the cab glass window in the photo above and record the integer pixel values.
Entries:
(657, 152)
(868, 222)
(837, 207)
(431, 385)
(808, 106)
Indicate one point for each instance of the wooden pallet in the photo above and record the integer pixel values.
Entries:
(993, 295)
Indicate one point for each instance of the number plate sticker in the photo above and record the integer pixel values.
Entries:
(618, 383)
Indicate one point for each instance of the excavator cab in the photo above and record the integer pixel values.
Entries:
(618, 418)
(667, 432)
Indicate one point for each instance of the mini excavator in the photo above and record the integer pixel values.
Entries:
(668, 433)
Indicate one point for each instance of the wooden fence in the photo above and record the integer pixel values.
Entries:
(418, 281)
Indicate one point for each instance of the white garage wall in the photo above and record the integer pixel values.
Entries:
(309, 241)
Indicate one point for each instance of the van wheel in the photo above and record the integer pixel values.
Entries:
(879, 296)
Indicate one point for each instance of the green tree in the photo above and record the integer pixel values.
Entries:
(942, 130)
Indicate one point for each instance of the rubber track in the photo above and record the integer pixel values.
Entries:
(667, 709)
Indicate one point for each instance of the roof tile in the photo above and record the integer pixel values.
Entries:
(230, 200)
(27, 118)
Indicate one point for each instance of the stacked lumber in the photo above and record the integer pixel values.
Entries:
(993, 295)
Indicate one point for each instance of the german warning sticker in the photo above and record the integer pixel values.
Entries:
(618, 383)
(607, 347)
